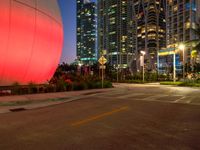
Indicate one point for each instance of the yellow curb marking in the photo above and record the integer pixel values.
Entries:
(98, 116)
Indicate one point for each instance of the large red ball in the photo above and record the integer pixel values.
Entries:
(31, 38)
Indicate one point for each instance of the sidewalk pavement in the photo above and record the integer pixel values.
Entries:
(33, 101)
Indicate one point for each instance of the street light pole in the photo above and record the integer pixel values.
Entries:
(143, 73)
(117, 74)
(183, 63)
(143, 53)
(174, 73)
(158, 62)
(182, 47)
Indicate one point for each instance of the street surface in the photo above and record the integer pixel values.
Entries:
(127, 117)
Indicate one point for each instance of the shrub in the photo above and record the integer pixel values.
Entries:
(107, 84)
(186, 83)
(16, 88)
(79, 86)
(68, 84)
(49, 88)
(171, 83)
(61, 85)
(32, 88)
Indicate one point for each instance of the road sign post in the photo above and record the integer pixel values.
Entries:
(102, 61)
(102, 77)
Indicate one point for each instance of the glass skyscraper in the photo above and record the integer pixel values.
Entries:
(181, 18)
(86, 32)
(182, 15)
(126, 27)
(112, 32)
(147, 29)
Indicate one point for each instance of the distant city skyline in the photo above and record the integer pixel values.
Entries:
(68, 12)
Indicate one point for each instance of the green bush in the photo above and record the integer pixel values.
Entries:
(98, 85)
(32, 88)
(61, 85)
(16, 89)
(69, 86)
(79, 86)
(171, 83)
(91, 84)
(107, 84)
(186, 83)
(190, 84)
(49, 88)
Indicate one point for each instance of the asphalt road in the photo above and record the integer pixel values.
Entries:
(128, 117)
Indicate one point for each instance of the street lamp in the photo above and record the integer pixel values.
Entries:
(182, 47)
(174, 64)
(142, 63)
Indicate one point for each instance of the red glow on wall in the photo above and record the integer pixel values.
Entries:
(31, 42)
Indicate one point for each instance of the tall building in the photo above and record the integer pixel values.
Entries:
(126, 27)
(86, 31)
(181, 17)
(146, 29)
(112, 32)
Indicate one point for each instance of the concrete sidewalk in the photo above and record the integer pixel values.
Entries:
(32, 101)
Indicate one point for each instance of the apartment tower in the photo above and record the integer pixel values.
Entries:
(112, 32)
(86, 32)
(181, 17)
(127, 27)
(146, 30)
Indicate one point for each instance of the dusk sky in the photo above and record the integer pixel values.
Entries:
(68, 11)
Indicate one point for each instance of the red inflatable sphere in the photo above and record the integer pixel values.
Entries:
(31, 37)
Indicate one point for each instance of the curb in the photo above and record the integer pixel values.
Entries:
(48, 102)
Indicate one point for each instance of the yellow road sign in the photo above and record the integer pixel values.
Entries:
(102, 60)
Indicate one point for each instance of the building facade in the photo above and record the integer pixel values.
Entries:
(146, 29)
(181, 17)
(86, 32)
(126, 27)
(112, 32)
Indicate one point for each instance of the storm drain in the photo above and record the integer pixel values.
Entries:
(17, 109)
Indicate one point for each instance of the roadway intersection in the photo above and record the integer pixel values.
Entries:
(126, 117)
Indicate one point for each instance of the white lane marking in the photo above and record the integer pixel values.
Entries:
(178, 100)
(172, 102)
(130, 95)
(126, 95)
(155, 97)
